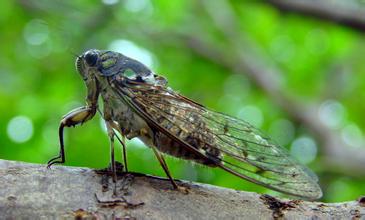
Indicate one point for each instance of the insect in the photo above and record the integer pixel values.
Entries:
(137, 103)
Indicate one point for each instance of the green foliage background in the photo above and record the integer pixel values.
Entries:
(39, 39)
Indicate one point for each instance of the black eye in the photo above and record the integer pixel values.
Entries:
(91, 57)
(139, 79)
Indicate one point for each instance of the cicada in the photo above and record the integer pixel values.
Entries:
(137, 103)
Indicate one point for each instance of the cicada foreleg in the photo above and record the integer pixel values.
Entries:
(73, 118)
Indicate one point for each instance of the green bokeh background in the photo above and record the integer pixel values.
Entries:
(321, 62)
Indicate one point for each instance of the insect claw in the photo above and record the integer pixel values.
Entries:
(54, 161)
(183, 189)
(49, 165)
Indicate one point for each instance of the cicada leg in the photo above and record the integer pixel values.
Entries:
(164, 166)
(116, 127)
(73, 118)
(122, 142)
(111, 134)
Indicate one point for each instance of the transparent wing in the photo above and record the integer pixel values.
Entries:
(231, 143)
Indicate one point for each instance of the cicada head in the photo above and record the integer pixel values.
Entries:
(85, 62)
(100, 63)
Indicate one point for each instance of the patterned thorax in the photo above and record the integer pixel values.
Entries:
(108, 63)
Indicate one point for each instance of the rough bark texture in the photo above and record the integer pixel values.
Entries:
(30, 191)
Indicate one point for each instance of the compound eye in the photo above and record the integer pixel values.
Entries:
(91, 57)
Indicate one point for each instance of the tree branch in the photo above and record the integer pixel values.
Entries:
(348, 13)
(32, 191)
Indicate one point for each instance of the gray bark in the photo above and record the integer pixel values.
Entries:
(31, 191)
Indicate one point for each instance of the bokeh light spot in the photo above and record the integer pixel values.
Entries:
(332, 113)
(251, 114)
(138, 5)
(20, 129)
(304, 149)
(132, 50)
(282, 131)
(110, 2)
(36, 32)
(352, 135)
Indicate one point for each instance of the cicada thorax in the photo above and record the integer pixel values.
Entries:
(130, 124)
